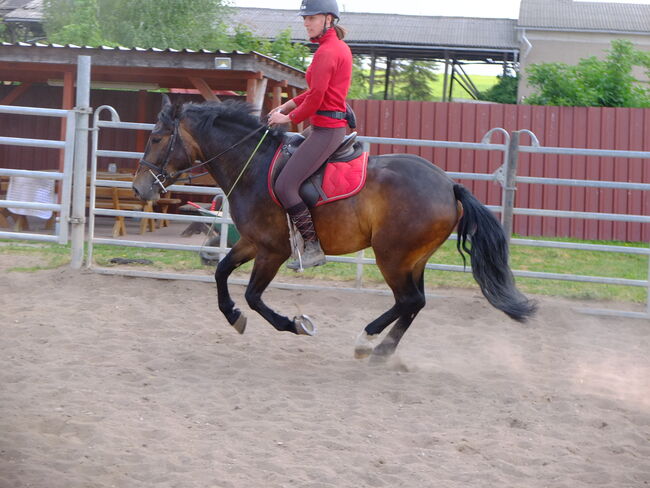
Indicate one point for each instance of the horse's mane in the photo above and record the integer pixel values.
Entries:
(205, 116)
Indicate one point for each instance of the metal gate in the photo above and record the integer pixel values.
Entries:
(506, 176)
(62, 179)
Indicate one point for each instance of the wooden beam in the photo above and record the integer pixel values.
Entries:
(204, 89)
(15, 93)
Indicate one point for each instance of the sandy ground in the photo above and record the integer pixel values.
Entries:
(122, 382)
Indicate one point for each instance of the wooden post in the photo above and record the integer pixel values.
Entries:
(141, 136)
(251, 90)
(260, 93)
(67, 103)
(301, 126)
(277, 95)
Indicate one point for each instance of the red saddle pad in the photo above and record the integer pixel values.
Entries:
(341, 179)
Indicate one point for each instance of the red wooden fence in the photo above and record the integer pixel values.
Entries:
(582, 127)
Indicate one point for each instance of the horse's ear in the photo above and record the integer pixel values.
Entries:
(166, 102)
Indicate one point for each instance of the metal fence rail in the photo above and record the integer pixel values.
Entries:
(64, 178)
(506, 176)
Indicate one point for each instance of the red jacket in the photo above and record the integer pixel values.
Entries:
(329, 76)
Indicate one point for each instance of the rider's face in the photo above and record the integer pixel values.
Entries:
(314, 24)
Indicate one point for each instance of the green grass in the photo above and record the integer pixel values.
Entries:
(590, 263)
(482, 82)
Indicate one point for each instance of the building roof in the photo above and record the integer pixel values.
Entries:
(30, 11)
(573, 15)
(9, 5)
(394, 34)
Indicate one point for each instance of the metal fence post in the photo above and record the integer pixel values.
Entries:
(510, 186)
(82, 109)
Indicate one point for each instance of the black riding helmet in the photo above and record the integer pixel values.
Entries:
(315, 7)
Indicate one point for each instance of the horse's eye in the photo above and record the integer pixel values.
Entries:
(156, 140)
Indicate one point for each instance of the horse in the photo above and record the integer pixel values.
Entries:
(405, 212)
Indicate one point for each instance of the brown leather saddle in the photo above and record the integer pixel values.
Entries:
(311, 191)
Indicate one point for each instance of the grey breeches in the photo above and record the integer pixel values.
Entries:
(311, 154)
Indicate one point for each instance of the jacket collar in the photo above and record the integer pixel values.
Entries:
(325, 37)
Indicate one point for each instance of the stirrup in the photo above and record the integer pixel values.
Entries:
(312, 256)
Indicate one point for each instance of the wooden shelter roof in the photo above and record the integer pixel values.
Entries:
(166, 68)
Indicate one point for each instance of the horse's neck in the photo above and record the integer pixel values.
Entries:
(243, 181)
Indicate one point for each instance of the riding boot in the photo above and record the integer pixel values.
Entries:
(313, 254)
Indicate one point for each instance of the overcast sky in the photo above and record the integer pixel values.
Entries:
(463, 8)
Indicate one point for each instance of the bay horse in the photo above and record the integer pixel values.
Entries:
(407, 209)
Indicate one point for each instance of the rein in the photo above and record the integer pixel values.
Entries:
(162, 176)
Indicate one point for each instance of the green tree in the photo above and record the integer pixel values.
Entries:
(178, 24)
(504, 91)
(359, 89)
(293, 54)
(413, 79)
(244, 40)
(73, 22)
(609, 82)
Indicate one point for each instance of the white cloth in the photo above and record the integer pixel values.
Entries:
(22, 189)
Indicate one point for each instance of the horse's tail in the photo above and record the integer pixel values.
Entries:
(489, 257)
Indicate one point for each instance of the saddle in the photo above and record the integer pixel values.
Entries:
(319, 189)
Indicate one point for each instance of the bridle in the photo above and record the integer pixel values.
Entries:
(161, 176)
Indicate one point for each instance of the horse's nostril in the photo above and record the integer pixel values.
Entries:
(137, 193)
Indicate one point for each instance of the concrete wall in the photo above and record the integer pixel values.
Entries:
(569, 48)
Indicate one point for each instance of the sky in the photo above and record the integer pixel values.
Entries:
(461, 8)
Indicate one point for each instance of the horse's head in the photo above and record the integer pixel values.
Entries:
(169, 151)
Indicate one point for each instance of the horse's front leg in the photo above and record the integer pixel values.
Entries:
(265, 268)
(242, 252)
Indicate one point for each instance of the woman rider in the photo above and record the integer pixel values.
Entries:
(328, 78)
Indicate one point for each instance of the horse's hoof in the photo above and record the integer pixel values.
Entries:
(304, 325)
(240, 323)
(362, 353)
(364, 345)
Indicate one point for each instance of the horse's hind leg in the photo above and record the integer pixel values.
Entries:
(242, 252)
(389, 344)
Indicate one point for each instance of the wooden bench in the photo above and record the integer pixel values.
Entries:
(125, 199)
(4, 213)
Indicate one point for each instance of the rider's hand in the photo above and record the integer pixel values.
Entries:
(278, 118)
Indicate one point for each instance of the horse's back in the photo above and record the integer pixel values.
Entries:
(410, 176)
